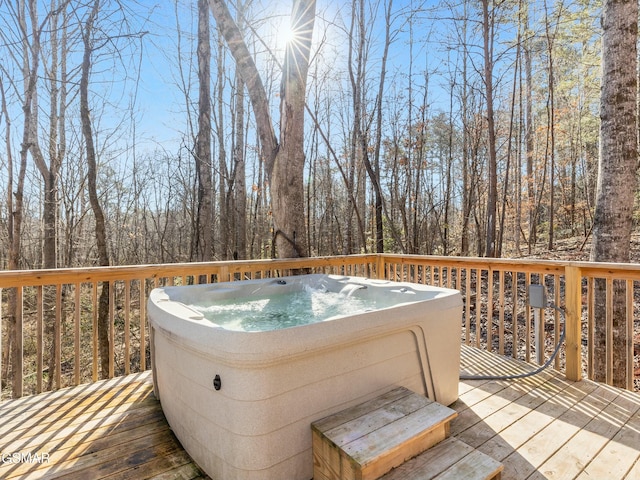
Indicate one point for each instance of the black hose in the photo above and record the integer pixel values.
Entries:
(522, 375)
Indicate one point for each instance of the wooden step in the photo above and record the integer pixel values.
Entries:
(449, 460)
(366, 441)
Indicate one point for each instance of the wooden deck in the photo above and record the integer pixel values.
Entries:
(543, 427)
(546, 427)
(111, 429)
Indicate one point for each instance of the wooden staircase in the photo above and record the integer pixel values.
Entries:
(398, 435)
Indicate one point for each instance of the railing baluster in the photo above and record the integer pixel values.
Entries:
(1, 341)
(39, 339)
(591, 282)
(127, 327)
(629, 332)
(527, 316)
(112, 294)
(18, 384)
(609, 332)
(478, 306)
(556, 318)
(58, 336)
(94, 331)
(467, 306)
(501, 312)
(489, 310)
(515, 338)
(76, 333)
(142, 320)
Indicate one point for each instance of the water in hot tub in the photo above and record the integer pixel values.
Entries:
(288, 309)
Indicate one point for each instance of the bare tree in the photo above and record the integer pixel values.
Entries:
(239, 214)
(92, 175)
(529, 134)
(204, 216)
(223, 173)
(284, 159)
(492, 195)
(48, 170)
(14, 237)
(551, 116)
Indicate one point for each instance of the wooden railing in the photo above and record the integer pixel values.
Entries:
(56, 314)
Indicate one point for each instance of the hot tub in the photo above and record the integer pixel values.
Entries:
(241, 400)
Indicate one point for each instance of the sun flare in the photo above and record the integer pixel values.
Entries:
(286, 35)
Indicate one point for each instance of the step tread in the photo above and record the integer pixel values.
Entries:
(451, 459)
(376, 436)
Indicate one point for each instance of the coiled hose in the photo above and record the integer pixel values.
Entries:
(523, 375)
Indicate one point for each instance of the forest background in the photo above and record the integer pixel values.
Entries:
(404, 100)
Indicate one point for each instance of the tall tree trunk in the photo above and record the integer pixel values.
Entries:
(517, 225)
(467, 196)
(49, 172)
(239, 217)
(356, 46)
(223, 174)
(617, 168)
(359, 141)
(287, 172)
(507, 183)
(94, 200)
(492, 195)
(529, 138)
(284, 160)
(204, 217)
(239, 175)
(15, 195)
(551, 144)
(374, 170)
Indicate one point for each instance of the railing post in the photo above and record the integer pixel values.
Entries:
(573, 322)
(223, 274)
(380, 270)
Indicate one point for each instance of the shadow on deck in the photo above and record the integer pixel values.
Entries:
(109, 429)
(546, 427)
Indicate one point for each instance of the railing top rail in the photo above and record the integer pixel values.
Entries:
(593, 269)
(17, 278)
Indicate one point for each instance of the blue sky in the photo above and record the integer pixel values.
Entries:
(162, 103)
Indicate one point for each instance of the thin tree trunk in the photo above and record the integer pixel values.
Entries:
(492, 195)
(92, 174)
(529, 139)
(467, 195)
(49, 172)
(239, 182)
(551, 126)
(15, 195)
(507, 183)
(204, 216)
(223, 174)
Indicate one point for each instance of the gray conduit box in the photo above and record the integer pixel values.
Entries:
(537, 296)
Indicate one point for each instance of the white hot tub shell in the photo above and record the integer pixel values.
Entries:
(241, 403)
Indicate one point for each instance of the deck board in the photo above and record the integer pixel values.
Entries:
(111, 429)
(546, 427)
(543, 427)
